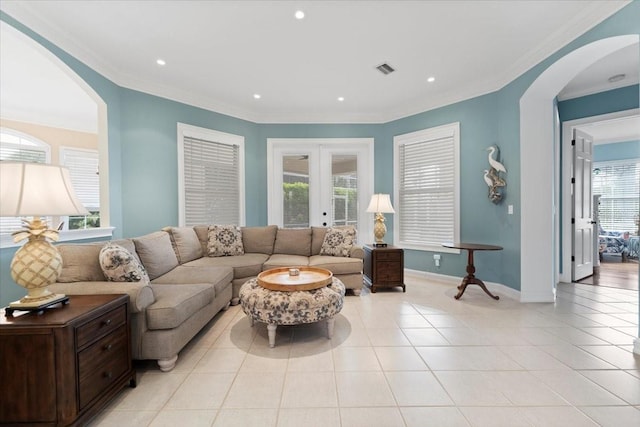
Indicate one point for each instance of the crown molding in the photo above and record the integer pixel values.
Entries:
(592, 14)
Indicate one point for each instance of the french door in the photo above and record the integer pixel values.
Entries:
(320, 182)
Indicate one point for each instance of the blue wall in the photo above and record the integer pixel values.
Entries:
(616, 151)
(143, 158)
(621, 99)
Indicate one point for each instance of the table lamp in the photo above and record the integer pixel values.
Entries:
(36, 190)
(380, 204)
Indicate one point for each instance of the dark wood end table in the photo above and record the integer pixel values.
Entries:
(383, 267)
(470, 278)
(61, 367)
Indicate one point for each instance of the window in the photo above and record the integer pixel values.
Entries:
(83, 170)
(618, 183)
(211, 176)
(426, 186)
(19, 147)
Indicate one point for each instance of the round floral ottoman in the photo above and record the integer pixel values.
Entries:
(291, 308)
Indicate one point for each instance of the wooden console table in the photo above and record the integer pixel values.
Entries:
(470, 278)
(61, 367)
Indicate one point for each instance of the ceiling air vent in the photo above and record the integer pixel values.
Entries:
(385, 68)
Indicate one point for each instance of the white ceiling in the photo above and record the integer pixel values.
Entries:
(219, 53)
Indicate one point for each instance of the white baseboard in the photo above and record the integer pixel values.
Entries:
(454, 280)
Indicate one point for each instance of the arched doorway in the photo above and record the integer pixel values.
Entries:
(46, 97)
(539, 163)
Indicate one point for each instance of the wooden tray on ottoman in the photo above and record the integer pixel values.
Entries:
(308, 279)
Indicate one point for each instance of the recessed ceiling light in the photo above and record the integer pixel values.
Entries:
(256, 96)
(161, 62)
(299, 14)
(341, 98)
(431, 79)
(617, 78)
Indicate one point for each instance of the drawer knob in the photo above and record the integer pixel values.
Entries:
(108, 374)
(108, 347)
(106, 322)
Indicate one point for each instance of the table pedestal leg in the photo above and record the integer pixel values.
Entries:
(271, 330)
(470, 279)
(330, 322)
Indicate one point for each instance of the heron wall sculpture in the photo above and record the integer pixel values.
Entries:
(492, 177)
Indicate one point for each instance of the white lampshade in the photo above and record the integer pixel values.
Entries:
(37, 189)
(380, 203)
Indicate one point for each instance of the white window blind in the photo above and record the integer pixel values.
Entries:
(211, 182)
(619, 184)
(427, 187)
(83, 170)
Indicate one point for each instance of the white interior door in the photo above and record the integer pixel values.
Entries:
(582, 221)
(320, 182)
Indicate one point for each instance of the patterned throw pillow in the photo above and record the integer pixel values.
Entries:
(338, 241)
(118, 265)
(224, 240)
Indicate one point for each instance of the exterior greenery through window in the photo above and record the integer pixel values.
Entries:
(296, 200)
(426, 187)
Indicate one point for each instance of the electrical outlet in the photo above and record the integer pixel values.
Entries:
(436, 259)
(510, 209)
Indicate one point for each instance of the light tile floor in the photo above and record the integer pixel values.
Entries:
(418, 358)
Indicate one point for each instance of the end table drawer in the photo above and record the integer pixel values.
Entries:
(388, 274)
(388, 256)
(101, 364)
(101, 325)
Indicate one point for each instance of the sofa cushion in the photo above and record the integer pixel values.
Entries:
(119, 265)
(224, 240)
(259, 239)
(247, 265)
(283, 260)
(202, 231)
(128, 245)
(175, 304)
(293, 241)
(140, 294)
(335, 264)
(156, 253)
(185, 243)
(338, 241)
(80, 262)
(219, 277)
(317, 238)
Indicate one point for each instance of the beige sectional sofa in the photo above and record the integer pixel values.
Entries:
(187, 287)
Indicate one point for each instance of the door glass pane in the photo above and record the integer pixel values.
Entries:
(344, 179)
(295, 187)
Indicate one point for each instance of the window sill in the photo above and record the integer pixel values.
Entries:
(426, 248)
(6, 240)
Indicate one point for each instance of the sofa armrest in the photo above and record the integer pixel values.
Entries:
(356, 252)
(140, 294)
